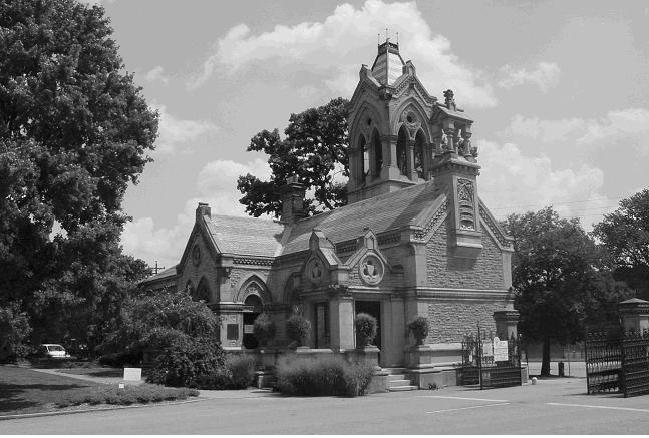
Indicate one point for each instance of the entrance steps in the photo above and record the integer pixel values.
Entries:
(397, 380)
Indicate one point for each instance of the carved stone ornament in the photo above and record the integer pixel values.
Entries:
(196, 255)
(465, 204)
(410, 119)
(315, 271)
(371, 270)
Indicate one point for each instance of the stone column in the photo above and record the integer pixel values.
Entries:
(390, 169)
(410, 160)
(341, 318)
(507, 323)
(635, 315)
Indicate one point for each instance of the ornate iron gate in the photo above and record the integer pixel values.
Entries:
(617, 363)
(491, 363)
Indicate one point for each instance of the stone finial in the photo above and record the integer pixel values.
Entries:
(448, 99)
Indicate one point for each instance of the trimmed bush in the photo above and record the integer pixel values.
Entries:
(264, 329)
(298, 329)
(365, 328)
(323, 376)
(129, 395)
(419, 329)
(188, 364)
(241, 369)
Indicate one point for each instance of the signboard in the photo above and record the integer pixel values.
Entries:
(232, 332)
(501, 350)
(132, 374)
(249, 329)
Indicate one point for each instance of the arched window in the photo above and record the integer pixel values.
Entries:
(419, 154)
(402, 148)
(365, 157)
(378, 154)
(253, 300)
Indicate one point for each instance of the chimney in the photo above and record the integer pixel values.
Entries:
(292, 194)
(203, 209)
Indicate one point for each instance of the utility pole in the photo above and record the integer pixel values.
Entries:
(155, 269)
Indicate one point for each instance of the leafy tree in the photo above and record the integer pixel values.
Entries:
(159, 321)
(74, 131)
(314, 147)
(560, 277)
(14, 329)
(625, 233)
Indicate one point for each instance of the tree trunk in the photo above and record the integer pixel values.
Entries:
(545, 365)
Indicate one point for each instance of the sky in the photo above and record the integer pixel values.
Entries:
(558, 91)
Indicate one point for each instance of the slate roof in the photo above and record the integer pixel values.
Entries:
(245, 235)
(389, 211)
(167, 273)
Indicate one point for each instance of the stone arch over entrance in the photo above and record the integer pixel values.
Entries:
(203, 292)
(254, 295)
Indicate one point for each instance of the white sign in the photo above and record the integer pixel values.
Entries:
(501, 350)
(132, 374)
(249, 329)
(487, 349)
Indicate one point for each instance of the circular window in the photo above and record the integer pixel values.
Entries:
(371, 270)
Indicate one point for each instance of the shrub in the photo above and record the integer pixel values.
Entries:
(130, 394)
(241, 369)
(298, 328)
(419, 329)
(187, 364)
(119, 360)
(323, 376)
(365, 328)
(264, 329)
(14, 329)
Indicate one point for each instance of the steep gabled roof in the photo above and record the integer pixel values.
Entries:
(245, 235)
(389, 211)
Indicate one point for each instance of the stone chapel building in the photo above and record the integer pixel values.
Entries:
(414, 240)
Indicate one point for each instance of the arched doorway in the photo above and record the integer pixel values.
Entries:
(252, 308)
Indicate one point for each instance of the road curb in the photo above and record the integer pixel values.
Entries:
(105, 408)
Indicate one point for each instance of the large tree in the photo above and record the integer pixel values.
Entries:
(74, 131)
(625, 233)
(561, 279)
(314, 149)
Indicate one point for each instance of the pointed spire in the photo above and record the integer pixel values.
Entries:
(388, 65)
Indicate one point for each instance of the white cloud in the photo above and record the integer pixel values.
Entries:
(511, 181)
(175, 133)
(545, 75)
(216, 185)
(627, 126)
(157, 73)
(331, 48)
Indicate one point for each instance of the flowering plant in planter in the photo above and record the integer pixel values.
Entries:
(298, 328)
(419, 329)
(365, 328)
(264, 329)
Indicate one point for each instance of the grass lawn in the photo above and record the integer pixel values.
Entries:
(24, 391)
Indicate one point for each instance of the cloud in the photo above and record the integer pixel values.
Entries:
(175, 134)
(629, 126)
(545, 75)
(331, 50)
(216, 185)
(157, 74)
(511, 181)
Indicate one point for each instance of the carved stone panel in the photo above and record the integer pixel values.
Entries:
(371, 270)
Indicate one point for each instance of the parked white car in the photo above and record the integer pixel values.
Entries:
(54, 351)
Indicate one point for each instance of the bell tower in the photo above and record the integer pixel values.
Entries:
(390, 135)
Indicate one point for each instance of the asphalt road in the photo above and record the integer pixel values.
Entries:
(554, 406)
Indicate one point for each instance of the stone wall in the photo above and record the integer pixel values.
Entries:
(446, 271)
(450, 320)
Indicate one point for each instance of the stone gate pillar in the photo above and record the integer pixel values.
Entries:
(507, 323)
(635, 315)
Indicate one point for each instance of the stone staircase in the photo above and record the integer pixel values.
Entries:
(397, 380)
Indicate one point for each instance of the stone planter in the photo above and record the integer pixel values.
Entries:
(419, 357)
(369, 354)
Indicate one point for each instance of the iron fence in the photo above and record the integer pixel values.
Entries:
(491, 362)
(617, 363)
